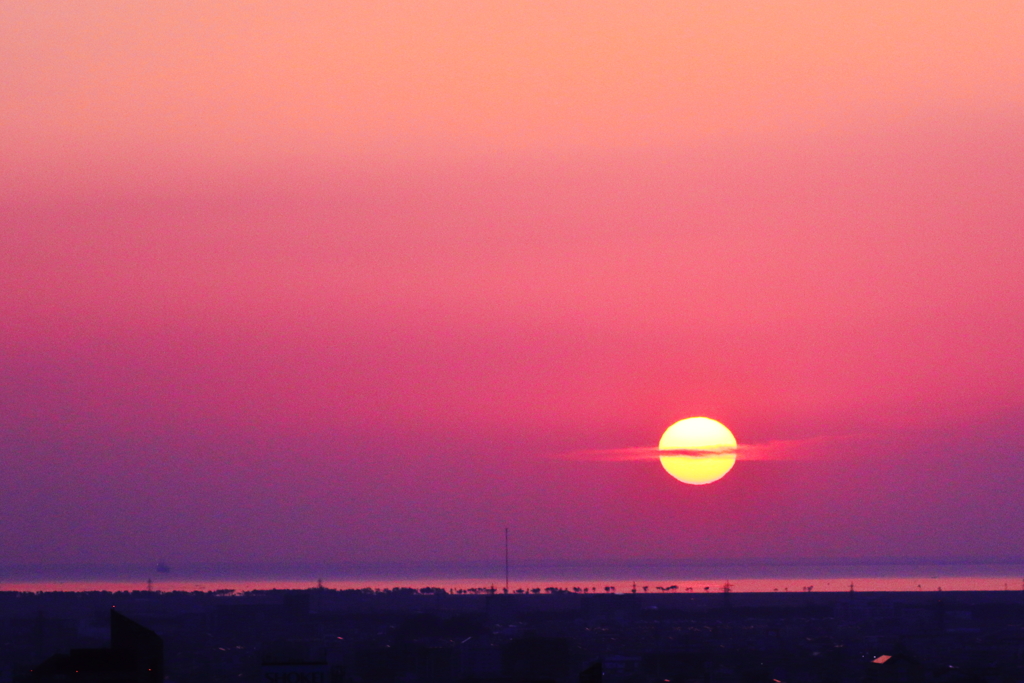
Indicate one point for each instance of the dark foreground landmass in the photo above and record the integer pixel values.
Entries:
(429, 636)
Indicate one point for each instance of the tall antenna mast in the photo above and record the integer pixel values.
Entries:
(506, 559)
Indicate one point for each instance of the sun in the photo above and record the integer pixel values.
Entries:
(704, 450)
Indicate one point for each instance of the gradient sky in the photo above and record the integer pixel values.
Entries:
(343, 282)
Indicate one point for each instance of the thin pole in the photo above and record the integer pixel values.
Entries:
(506, 559)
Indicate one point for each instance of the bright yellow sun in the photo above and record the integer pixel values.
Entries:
(709, 450)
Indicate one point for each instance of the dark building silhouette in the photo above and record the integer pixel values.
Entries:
(427, 635)
(592, 674)
(135, 655)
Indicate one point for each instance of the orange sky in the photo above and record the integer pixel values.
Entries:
(233, 82)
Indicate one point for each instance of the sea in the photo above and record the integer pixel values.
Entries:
(651, 577)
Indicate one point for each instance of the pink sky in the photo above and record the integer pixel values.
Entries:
(325, 282)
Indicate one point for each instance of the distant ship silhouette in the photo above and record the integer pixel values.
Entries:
(162, 567)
